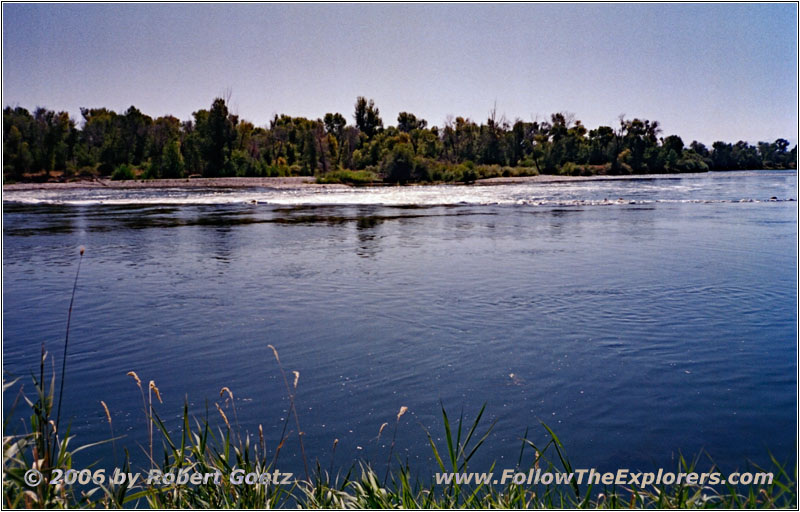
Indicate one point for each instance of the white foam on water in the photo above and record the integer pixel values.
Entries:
(580, 193)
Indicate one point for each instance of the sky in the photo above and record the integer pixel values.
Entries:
(706, 72)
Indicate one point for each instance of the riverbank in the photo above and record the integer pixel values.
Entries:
(187, 183)
(298, 182)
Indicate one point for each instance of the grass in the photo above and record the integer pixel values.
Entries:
(437, 173)
(197, 447)
(349, 177)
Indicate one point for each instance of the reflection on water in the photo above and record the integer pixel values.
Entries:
(635, 329)
(368, 235)
(367, 220)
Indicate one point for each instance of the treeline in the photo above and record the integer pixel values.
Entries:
(47, 145)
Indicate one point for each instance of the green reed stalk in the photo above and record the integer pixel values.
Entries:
(66, 342)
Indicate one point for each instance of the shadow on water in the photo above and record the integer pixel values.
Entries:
(368, 235)
(222, 243)
(59, 219)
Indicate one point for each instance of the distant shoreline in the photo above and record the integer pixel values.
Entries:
(186, 183)
(302, 182)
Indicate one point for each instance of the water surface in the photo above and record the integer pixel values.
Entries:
(637, 318)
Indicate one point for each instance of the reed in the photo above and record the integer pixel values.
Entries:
(400, 414)
(111, 429)
(66, 338)
(199, 447)
(291, 391)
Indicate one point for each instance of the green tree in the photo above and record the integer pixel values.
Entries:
(135, 134)
(722, 156)
(16, 154)
(367, 117)
(216, 136)
(172, 164)
(399, 165)
(103, 138)
(335, 124)
(216, 143)
(407, 122)
(673, 143)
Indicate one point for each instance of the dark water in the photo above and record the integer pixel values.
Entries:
(639, 328)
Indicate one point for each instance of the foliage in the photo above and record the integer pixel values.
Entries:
(367, 117)
(399, 166)
(215, 142)
(123, 172)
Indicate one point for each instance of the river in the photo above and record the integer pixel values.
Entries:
(639, 319)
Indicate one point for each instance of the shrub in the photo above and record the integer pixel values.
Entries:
(123, 172)
(691, 162)
(570, 169)
(87, 172)
(399, 165)
(468, 174)
(149, 171)
(172, 164)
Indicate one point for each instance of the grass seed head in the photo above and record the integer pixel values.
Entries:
(135, 377)
(105, 408)
(222, 413)
(155, 390)
(403, 410)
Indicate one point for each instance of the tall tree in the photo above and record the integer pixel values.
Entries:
(172, 165)
(217, 134)
(407, 122)
(367, 117)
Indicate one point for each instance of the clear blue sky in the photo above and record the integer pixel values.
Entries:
(705, 71)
